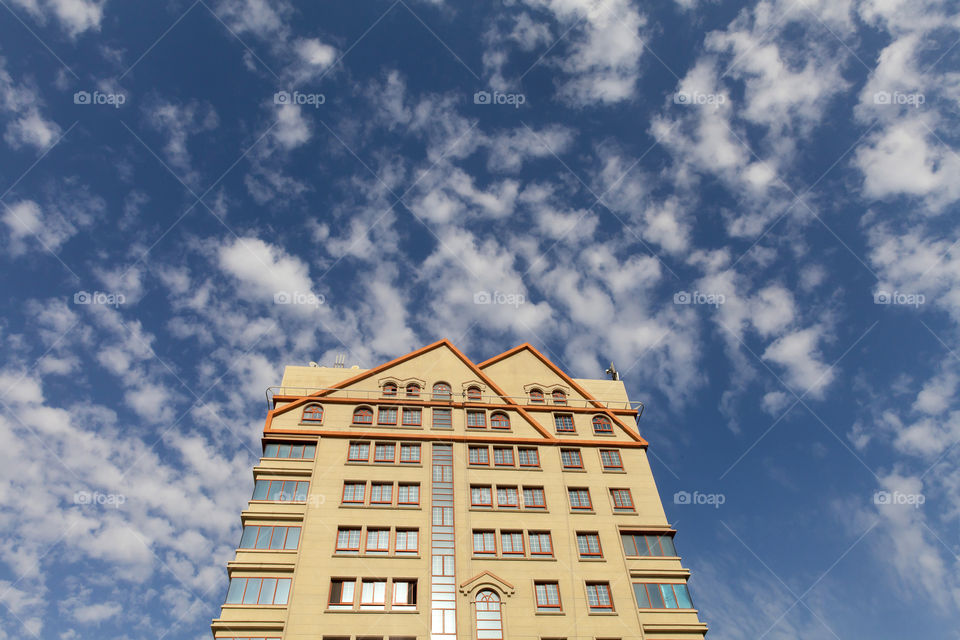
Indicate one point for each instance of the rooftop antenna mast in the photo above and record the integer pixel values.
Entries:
(338, 363)
(612, 372)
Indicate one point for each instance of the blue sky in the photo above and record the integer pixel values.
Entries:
(750, 208)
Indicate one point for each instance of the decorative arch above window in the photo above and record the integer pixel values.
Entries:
(489, 618)
(474, 393)
(500, 420)
(536, 396)
(602, 424)
(441, 391)
(389, 390)
(559, 396)
(413, 390)
(312, 413)
(363, 415)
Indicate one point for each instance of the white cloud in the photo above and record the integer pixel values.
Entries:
(315, 53)
(263, 269)
(25, 220)
(75, 16)
(179, 122)
(292, 129)
(800, 358)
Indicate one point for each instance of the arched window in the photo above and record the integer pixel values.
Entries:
(473, 393)
(500, 421)
(413, 390)
(441, 391)
(602, 424)
(489, 618)
(390, 390)
(312, 413)
(559, 397)
(363, 415)
(536, 396)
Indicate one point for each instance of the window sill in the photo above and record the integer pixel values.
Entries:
(239, 549)
(584, 511)
(373, 609)
(380, 506)
(604, 435)
(666, 610)
(361, 463)
(574, 470)
(549, 613)
(614, 471)
(622, 512)
(602, 613)
(357, 554)
(593, 559)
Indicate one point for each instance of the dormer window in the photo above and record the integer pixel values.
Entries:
(363, 415)
(559, 397)
(312, 413)
(602, 424)
(441, 391)
(389, 390)
(413, 390)
(536, 396)
(473, 394)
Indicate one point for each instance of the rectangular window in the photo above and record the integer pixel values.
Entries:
(588, 545)
(598, 596)
(563, 422)
(507, 498)
(407, 541)
(610, 459)
(378, 540)
(408, 494)
(404, 595)
(503, 456)
(622, 500)
(442, 419)
(662, 596)
(528, 457)
(281, 490)
(477, 419)
(260, 537)
(289, 450)
(481, 496)
(354, 492)
(511, 542)
(387, 415)
(484, 543)
(358, 452)
(636, 544)
(348, 540)
(258, 591)
(342, 593)
(411, 418)
(540, 543)
(381, 493)
(571, 459)
(479, 455)
(534, 498)
(384, 452)
(548, 596)
(409, 453)
(373, 594)
(580, 499)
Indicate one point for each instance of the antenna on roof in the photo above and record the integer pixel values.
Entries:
(338, 363)
(612, 372)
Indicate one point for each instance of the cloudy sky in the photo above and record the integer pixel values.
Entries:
(750, 208)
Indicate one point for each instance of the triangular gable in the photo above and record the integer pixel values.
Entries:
(487, 579)
(526, 346)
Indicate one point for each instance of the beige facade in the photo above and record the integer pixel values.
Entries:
(439, 499)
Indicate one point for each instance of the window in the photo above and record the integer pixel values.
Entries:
(559, 397)
(266, 537)
(348, 540)
(622, 500)
(477, 419)
(354, 492)
(358, 452)
(610, 459)
(503, 456)
(636, 543)
(588, 545)
(442, 419)
(540, 543)
(598, 596)
(533, 498)
(536, 396)
(484, 543)
(473, 394)
(411, 417)
(479, 455)
(373, 594)
(500, 420)
(258, 591)
(281, 490)
(408, 494)
(387, 415)
(407, 541)
(390, 390)
(381, 493)
(489, 624)
(341, 593)
(528, 457)
(511, 542)
(289, 450)
(580, 499)
(507, 498)
(662, 596)
(441, 391)
(404, 595)
(312, 413)
(563, 422)
(571, 459)
(481, 496)
(378, 540)
(384, 452)
(413, 390)
(409, 453)
(363, 415)
(602, 424)
(548, 596)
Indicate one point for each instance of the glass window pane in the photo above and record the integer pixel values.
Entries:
(629, 544)
(309, 451)
(266, 591)
(302, 488)
(296, 451)
(253, 591)
(235, 592)
(283, 591)
(263, 540)
(270, 451)
(279, 533)
(668, 548)
(656, 597)
(276, 487)
(640, 593)
(683, 596)
(669, 599)
(260, 489)
(293, 537)
(284, 451)
(248, 538)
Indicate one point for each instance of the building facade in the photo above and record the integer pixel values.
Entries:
(440, 499)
